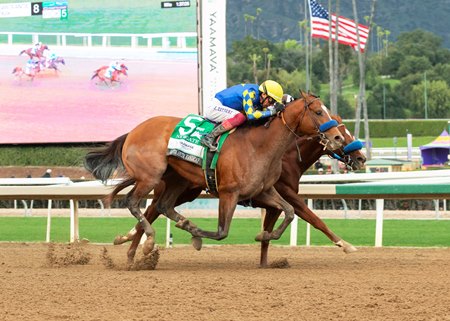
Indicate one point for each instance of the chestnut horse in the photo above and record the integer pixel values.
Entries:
(39, 52)
(115, 76)
(248, 166)
(18, 72)
(300, 155)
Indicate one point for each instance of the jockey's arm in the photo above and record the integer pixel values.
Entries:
(249, 108)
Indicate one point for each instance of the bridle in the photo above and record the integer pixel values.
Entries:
(321, 129)
(345, 152)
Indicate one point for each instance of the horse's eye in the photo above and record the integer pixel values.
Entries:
(319, 113)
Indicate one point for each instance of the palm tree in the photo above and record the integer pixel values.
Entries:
(255, 58)
(258, 12)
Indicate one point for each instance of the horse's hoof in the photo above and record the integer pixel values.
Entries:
(120, 239)
(346, 247)
(148, 246)
(197, 242)
(349, 249)
(263, 236)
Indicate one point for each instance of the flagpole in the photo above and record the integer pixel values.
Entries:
(307, 34)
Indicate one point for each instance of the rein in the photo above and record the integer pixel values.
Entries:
(320, 128)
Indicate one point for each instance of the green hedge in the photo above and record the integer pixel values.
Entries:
(400, 127)
(40, 155)
(73, 154)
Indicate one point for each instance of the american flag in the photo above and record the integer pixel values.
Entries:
(346, 30)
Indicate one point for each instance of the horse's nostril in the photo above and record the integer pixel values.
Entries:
(361, 160)
(338, 138)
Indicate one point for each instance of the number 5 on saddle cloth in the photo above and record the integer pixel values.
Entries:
(185, 143)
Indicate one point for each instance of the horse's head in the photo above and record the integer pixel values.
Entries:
(61, 60)
(350, 153)
(309, 116)
(43, 47)
(123, 69)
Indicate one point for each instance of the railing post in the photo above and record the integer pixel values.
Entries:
(74, 231)
(294, 229)
(134, 42)
(165, 43)
(49, 221)
(181, 42)
(379, 223)
(308, 226)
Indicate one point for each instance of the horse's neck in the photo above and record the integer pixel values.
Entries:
(310, 151)
(274, 140)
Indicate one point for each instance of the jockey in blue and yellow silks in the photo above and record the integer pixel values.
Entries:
(233, 106)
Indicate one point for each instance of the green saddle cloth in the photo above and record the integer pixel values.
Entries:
(185, 140)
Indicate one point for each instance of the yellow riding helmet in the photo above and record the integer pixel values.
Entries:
(273, 89)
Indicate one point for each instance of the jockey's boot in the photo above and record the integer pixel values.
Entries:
(209, 139)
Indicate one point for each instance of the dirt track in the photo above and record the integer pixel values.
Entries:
(225, 283)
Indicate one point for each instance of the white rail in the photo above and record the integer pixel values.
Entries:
(166, 41)
(432, 185)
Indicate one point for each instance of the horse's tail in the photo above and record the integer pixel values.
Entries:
(103, 161)
(22, 52)
(16, 69)
(94, 75)
(124, 184)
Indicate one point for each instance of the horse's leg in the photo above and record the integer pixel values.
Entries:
(271, 198)
(178, 190)
(227, 205)
(151, 214)
(303, 211)
(270, 219)
(133, 199)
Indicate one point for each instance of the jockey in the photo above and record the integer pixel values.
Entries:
(36, 47)
(30, 66)
(52, 57)
(114, 65)
(231, 107)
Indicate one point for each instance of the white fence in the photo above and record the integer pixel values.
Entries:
(431, 185)
(162, 41)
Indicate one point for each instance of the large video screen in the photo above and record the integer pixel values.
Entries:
(109, 66)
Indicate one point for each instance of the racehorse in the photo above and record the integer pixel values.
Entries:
(115, 76)
(39, 52)
(53, 63)
(18, 72)
(248, 166)
(300, 155)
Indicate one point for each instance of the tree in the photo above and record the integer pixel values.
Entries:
(255, 59)
(438, 98)
(412, 65)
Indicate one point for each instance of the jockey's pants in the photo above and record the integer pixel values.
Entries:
(218, 113)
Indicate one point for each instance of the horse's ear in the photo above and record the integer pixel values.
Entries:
(302, 94)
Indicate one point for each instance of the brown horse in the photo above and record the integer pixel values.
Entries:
(19, 72)
(38, 54)
(115, 75)
(300, 155)
(248, 166)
